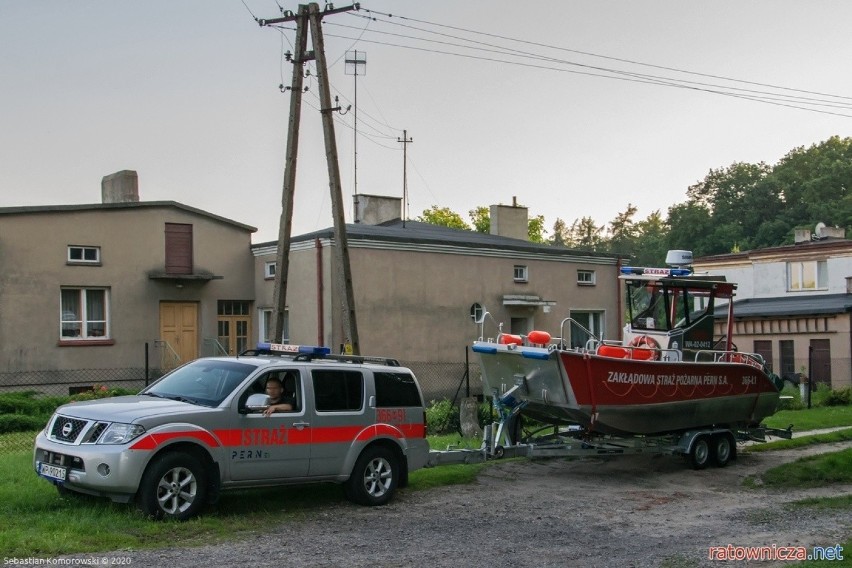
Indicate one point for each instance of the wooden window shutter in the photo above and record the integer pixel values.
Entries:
(178, 248)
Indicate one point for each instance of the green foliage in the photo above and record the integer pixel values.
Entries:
(812, 471)
(444, 217)
(535, 229)
(842, 397)
(481, 219)
(442, 417)
(29, 410)
(21, 422)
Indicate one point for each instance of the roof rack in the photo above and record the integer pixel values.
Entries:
(309, 353)
(359, 359)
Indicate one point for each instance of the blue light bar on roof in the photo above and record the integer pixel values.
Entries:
(294, 349)
(646, 271)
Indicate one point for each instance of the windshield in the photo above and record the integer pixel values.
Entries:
(204, 381)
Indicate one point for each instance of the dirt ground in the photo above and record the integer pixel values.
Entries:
(620, 512)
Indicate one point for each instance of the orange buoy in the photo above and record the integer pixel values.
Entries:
(538, 337)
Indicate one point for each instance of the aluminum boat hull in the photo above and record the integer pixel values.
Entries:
(623, 396)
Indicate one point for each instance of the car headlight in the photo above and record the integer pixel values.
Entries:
(118, 433)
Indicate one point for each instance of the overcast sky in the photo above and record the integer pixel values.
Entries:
(502, 100)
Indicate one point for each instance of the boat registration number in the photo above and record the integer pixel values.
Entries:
(52, 471)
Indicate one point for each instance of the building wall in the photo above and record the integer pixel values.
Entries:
(414, 305)
(33, 253)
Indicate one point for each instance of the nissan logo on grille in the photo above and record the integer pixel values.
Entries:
(66, 429)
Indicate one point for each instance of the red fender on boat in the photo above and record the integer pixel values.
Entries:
(538, 337)
(510, 339)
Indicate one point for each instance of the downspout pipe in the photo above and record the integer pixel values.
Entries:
(320, 313)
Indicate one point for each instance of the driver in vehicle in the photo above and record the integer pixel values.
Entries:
(278, 400)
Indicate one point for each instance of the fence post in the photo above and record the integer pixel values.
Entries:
(466, 371)
(810, 373)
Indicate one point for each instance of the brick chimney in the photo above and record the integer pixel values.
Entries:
(376, 209)
(120, 187)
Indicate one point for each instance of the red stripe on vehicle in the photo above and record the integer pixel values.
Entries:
(151, 441)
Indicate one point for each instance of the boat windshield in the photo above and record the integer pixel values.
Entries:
(657, 306)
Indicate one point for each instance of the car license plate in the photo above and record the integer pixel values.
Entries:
(53, 471)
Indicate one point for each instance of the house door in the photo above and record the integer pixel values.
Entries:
(233, 323)
(821, 361)
(179, 332)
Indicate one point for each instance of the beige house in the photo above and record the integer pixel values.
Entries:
(794, 305)
(419, 287)
(88, 286)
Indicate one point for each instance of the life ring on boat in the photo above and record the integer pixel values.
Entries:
(646, 347)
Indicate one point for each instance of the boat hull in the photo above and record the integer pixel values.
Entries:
(621, 396)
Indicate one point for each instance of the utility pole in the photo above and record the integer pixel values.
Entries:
(310, 15)
(405, 142)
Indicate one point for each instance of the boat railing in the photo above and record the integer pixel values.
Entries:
(618, 350)
(756, 360)
(564, 342)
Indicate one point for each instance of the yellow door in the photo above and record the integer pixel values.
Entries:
(179, 332)
(234, 333)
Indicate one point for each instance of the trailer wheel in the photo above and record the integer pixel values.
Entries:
(699, 455)
(721, 449)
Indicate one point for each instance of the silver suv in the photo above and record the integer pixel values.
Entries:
(358, 421)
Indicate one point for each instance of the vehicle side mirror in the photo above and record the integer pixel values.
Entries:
(255, 403)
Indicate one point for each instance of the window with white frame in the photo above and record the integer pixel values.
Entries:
(266, 332)
(586, 277)
(269, 269)
(521, 274)
(83, 254)
(84, 313)
(807, 275)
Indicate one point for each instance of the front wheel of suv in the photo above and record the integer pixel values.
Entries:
(374, 478)
(173, 487)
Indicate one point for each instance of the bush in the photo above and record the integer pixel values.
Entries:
(842, 397)
(29, 410)
(442, 417)
(20, 423)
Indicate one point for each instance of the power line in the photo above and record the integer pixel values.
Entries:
(622, 60)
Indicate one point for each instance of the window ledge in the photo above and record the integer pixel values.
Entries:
(84, 342)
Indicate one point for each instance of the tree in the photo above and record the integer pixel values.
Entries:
(622, 232)
(651, 242)
(586, 234)
(444, 217)
(481, 218)
(560, 236)
(535, 229)
(816, 183)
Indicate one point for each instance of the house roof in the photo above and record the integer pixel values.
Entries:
(416, 232)
(124, 205)
(804, 305)
(826, 244)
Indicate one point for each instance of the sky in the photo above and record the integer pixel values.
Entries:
(575, 108)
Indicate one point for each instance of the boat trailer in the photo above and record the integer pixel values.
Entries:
(502, 439)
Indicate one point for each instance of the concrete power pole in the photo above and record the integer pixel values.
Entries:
(311, 15)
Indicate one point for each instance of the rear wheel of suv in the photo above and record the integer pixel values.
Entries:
(173, 487)
(374, 478)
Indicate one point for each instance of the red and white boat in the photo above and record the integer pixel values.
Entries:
(667, 375)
